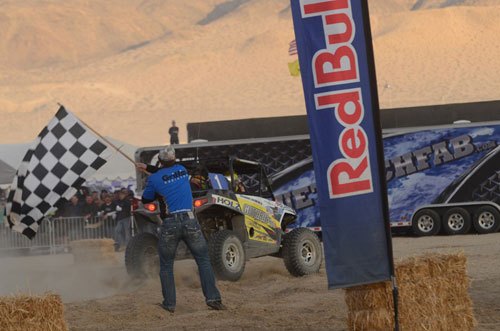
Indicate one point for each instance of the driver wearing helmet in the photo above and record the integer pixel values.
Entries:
(198, 180)
(239, 187)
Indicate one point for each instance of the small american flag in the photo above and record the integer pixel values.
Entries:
(292, 49)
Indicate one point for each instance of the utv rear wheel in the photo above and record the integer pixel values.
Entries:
(302, 252)
(227, 255)
(141, 256)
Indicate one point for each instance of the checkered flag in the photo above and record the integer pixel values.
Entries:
(63, 156)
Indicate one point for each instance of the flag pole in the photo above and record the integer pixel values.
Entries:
(380, 151)
(103, 138)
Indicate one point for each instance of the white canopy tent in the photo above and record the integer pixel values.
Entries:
(6, 174)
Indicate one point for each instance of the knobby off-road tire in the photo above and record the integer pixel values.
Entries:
(227, 255)
(141, 256)
(302, 252)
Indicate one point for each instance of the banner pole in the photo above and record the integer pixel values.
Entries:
(380, 152)
(103, 138)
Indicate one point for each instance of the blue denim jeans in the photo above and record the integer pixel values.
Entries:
(122, 232)
(176, 228)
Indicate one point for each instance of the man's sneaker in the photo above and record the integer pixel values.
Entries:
(170, 310)
(216, 305)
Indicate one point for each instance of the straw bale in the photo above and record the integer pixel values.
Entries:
(35, 313)
(373, 320)
(94, 251)
(433, 295)
(361, 299)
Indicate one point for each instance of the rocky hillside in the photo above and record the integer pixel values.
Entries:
(128, 67)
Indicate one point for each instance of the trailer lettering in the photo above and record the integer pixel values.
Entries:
(404, 165)
(440, 153)
(389, 173)
(462, 146)
(299, 198)
(485, 146)
(422, 158)
(302, 199)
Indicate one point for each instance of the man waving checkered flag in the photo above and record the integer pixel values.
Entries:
(63, 156)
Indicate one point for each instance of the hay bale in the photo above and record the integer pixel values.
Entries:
(433, 295)
(35, 313)
(94, 251)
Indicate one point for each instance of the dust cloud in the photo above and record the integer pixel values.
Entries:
(60, 274)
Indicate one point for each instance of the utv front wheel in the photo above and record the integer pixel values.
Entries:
(302, 252)
(227, 255)
(141, 256)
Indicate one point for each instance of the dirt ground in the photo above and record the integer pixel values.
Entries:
(99, 297)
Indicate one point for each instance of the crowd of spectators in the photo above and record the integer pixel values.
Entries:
(104, 209)
(88, 203)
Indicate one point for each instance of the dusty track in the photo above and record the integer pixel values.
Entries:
(267, 298)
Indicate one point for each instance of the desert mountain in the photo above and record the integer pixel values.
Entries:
(128, 67)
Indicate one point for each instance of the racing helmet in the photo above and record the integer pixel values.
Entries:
(227, 174)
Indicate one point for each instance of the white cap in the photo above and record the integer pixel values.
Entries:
(167, 154)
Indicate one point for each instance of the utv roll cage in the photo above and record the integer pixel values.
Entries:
(222, 175)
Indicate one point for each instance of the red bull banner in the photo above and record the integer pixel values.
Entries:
(338, 76)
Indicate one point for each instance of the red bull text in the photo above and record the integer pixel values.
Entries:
(335, 65)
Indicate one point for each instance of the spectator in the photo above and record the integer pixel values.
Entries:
(116, 195)
(122, 229)
(104, 194)
(2, 213)
(174, 134)
(95, 195)
(107, 213)
(73, 208)
(95, 199)
(82, 193)
(89, 208)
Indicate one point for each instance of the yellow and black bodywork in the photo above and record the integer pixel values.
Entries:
(260, 223)
(239, 218)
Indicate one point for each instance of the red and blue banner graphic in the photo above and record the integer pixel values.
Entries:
(336, 62)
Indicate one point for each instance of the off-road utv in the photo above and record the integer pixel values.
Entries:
(235, 206)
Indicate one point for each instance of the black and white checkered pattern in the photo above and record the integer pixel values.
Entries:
(63, 156)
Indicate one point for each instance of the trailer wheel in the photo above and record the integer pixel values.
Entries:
(426, 222)
(456, 221)
(486, 220)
